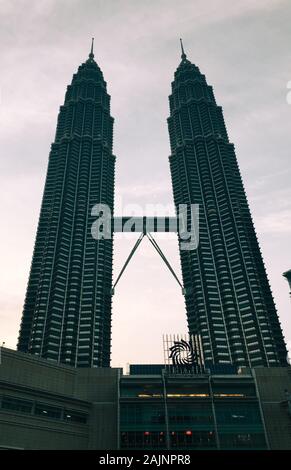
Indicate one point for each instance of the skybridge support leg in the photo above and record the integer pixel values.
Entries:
(138, 242)
(159, 251)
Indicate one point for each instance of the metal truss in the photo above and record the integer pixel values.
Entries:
(159, 251)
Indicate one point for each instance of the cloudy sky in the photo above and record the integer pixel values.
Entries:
(242, 46)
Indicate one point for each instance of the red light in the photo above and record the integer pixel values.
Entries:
(188, 433)
(146, 433)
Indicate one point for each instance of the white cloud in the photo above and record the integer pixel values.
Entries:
(277, 222)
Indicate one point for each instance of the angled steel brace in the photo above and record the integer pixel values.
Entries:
(158, 249)
(127, 261)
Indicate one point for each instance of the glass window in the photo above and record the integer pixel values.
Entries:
(15, 404)
(48, 411)
(75, 416)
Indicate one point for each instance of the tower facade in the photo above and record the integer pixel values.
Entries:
(67, 311)
(227, 293)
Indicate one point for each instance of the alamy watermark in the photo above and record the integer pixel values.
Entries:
(185, 224)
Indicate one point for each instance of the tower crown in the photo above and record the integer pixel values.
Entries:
(89, 69)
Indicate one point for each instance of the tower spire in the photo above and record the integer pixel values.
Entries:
(183, 56)
(91, 55)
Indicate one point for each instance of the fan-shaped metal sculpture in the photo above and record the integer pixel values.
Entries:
(182, 353)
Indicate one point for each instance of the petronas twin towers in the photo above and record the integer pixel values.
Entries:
(67, 311)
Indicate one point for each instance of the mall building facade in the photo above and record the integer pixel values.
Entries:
(44, 405)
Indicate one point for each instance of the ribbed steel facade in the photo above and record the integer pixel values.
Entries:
(67, 311)
(228, 297)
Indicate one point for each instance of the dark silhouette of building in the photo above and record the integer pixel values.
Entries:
(67, 311)
(228, 297)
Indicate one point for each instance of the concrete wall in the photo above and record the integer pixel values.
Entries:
(100, 386)
(91, 391)
(271, 385)
(24, 432)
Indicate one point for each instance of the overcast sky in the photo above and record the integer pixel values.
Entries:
(243, 47)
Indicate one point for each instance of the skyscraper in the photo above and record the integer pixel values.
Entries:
(67, 311)
(227, 293)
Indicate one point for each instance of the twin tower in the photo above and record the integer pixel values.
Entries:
(67, 310)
